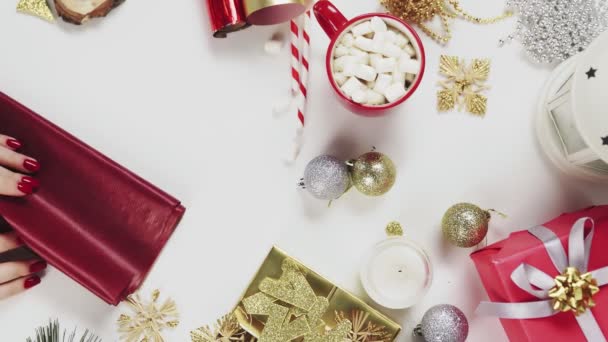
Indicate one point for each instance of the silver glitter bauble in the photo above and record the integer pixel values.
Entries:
(443, 323)
(555, 30)
(326, 177)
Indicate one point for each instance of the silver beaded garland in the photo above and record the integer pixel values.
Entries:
(443, 323)
(555, 30)
(326, 177)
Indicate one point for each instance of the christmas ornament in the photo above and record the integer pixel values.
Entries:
(465, 224)
(326, 177)
(226, 329)
(148, 320)
(443, 323)
(80, 11)
(555, 30)
(53, 333)
(463, 84)
(422, 11)
(38, 8)
(373, 173)
(363, 329)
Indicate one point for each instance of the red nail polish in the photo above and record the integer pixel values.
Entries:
(31, 282)
(33, 182)
(37, 266)
(31, 165)
(12, 143)
(25, 188)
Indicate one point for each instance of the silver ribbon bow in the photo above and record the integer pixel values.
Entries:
(538, 283)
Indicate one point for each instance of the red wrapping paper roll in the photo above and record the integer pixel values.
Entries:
(92, 219)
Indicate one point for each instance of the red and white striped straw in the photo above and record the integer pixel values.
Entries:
(295, 56)
(304, 68)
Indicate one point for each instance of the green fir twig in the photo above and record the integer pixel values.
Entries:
(52, 333)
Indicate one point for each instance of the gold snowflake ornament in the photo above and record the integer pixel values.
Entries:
(362, 329)
(463, 84)
(226, 329)
(148, 319)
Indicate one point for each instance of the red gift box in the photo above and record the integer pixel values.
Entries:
(495, 264)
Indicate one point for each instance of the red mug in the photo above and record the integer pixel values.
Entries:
(333, 22)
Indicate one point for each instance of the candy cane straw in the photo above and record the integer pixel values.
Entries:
(295, 56)
(304, 67)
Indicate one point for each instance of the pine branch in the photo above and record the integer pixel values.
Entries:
(51, 333)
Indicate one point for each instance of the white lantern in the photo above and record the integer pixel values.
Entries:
(572, 118)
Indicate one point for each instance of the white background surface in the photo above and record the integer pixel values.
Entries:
(148, 87)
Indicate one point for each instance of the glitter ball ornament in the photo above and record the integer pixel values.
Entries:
(465, 224)
(373, 173)
(443, 323)
(326, 177)
(555, 30)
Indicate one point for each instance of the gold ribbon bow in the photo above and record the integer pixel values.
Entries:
(574, 291)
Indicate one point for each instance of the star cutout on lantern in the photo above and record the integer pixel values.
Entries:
(605, 140)
(591, 73)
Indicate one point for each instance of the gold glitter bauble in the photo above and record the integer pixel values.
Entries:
(465, 224)
(373, 173)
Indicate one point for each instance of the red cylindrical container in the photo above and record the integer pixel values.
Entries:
(226, 16)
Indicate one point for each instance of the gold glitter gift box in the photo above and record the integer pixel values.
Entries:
(287, 301)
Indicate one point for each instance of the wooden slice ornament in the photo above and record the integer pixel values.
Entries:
(79, 11)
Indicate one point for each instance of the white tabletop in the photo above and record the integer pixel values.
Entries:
(150, 88)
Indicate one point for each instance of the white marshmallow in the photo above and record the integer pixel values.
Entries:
(378, 25)
(370, 84)
(363, 43)
(401, 40)
(352, 85)
(391, 36)
(374, 59)
(340, 62)
(410, 77)
(409, 49)
(382, 82)
(386, 65)
(359, 96)
(341, 50)
(410, 66)
(361, 56)
(398, 77)
(394, 92)
(391, 50)
(362, 29)
(374, 98)
(350, 68)
(340, 78)
(366, 72)
(348, 39)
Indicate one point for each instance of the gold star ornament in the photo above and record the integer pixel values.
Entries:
(38, 8)
(463, 84)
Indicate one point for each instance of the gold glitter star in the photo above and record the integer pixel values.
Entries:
(38, 8)
(463, 85)
(148, 320)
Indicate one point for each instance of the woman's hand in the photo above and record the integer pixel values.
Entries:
(13, 169)
(16, 276)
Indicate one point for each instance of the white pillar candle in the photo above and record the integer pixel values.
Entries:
(397, 273)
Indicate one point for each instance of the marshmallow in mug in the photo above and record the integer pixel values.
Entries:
(374, 64)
